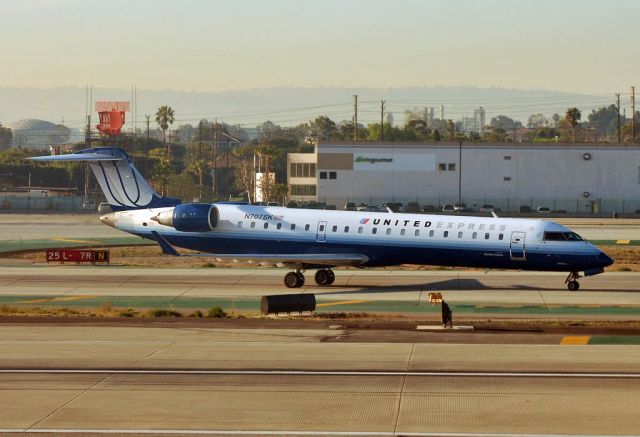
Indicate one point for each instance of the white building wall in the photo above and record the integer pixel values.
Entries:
(547, 175)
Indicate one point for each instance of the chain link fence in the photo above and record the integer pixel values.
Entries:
(14, 203)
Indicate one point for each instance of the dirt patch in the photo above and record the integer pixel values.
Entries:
(627, 258)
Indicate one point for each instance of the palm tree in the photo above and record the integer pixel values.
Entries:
(164, 118)
(451, 127)
(199, 167)
(573, 116)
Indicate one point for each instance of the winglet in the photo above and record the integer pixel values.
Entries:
(167, 249)
(493, 213)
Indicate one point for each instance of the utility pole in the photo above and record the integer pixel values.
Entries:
(633, 114)
(87, 132)
(355, 117)
(460, 172)
(381, 120)
(618, 110)
(215, 159)
(200, 140)
(147, 117)
(227, 179)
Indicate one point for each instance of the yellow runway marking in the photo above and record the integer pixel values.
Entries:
(67, 240)
(576, 340)
(344, 302)
(623, 241)
(57, 299)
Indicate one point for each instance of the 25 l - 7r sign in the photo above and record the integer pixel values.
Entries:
(78, 256)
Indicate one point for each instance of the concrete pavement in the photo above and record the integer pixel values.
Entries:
(75, 283)
(493, 402)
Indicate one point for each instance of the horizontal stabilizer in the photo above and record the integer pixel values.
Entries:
(77, 157)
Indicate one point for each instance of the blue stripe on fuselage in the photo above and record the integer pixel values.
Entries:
(483, 254)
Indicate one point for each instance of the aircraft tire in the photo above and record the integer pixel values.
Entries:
(573, 285)
(300, 280)
(332, 277)
(291, 280)
(322, 277)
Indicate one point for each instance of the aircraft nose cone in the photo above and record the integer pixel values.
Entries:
(109, 219)
(604, 260)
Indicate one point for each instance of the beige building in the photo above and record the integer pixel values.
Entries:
(572, 177)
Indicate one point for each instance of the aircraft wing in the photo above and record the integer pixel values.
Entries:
(308, 259)
(305, 259)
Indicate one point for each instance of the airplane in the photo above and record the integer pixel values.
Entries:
(315, 239)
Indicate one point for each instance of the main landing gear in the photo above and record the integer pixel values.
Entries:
(295, 279)
(572, 281)
(325, 277)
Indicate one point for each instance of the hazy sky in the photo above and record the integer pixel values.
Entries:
(581, 46)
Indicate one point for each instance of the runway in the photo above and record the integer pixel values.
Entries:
(611, 295)
(178, 380)
(263, 377)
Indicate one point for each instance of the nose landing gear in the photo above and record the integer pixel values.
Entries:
(572, 281)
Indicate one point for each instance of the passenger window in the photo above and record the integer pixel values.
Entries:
(486, 236)
(293, 226)
(474, 235)
(388, 231)
(240, 224)
(266, 225)
(374, 230)
(306, 227)
(360, 230)
(346, 229)
(431, 233)
(501, 237)
(279, 226)
(334, 229)
(446, 234)
(459, 234)
(417, 232)
(253, 225)
(402, 231)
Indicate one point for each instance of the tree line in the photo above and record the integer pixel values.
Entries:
(214, 160)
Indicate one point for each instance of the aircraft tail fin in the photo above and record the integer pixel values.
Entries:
(122, 184)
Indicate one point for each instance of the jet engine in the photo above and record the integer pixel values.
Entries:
(190, 217)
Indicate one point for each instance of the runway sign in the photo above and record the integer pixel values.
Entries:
(435, 298)
(79, 256)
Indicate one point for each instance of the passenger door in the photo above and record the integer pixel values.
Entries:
(321, 235)
(517, 246)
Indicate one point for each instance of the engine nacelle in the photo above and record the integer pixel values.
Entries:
(190, 217)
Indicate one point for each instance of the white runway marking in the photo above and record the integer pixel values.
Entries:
(283, 433)
(621, 375)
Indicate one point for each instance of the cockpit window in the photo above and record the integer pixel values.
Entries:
(572, 236)
(562, 236)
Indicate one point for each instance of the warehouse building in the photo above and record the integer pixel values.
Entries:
(584, 178)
